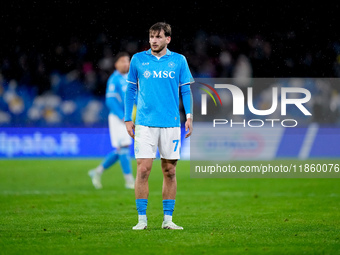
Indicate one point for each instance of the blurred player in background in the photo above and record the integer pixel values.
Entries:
(120, 139)
(160, 76)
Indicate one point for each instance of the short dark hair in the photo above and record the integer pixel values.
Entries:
(119, 55)
(159, 26)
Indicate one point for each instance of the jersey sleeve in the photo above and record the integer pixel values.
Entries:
(131, 92)
(130, 98)
(185, 76)
(186, 98)
(133, 74)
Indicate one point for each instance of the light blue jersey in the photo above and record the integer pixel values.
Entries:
(159, 83)
(115, 93)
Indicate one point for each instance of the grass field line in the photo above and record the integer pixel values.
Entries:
(196, 193)
(49, 192)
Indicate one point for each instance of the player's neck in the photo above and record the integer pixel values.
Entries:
(159, 54)
(121, 72)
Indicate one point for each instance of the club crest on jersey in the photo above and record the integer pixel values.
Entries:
(146, 74)
(171, 64)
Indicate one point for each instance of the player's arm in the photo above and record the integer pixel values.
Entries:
(134, 110)
(130, 96)
(187, 99)
(129, 103)
(185, 81)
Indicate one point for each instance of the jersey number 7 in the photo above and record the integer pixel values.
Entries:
(176, 144)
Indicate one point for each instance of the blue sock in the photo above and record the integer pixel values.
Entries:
(110, 159)
(141, 206)
(168, 206)
(124, 158)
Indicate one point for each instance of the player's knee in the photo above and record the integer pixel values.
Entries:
(170, 172)
(144, 171)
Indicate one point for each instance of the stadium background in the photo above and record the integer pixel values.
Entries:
(55, 59)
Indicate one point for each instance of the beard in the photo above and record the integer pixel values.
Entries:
(161, 47)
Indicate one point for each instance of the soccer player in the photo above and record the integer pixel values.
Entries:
(120, 139)
(159, 76)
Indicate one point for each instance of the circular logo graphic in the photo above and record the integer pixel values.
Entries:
(146, 74)
(171, 64)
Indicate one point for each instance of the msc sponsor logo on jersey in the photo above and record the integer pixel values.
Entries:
(159, 74)
(164, 74)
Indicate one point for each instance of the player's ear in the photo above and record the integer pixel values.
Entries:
(168, 39)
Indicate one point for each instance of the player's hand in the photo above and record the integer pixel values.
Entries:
(130, 127)
(188, 126)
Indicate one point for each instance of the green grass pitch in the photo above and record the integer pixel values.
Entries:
(50, 207)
